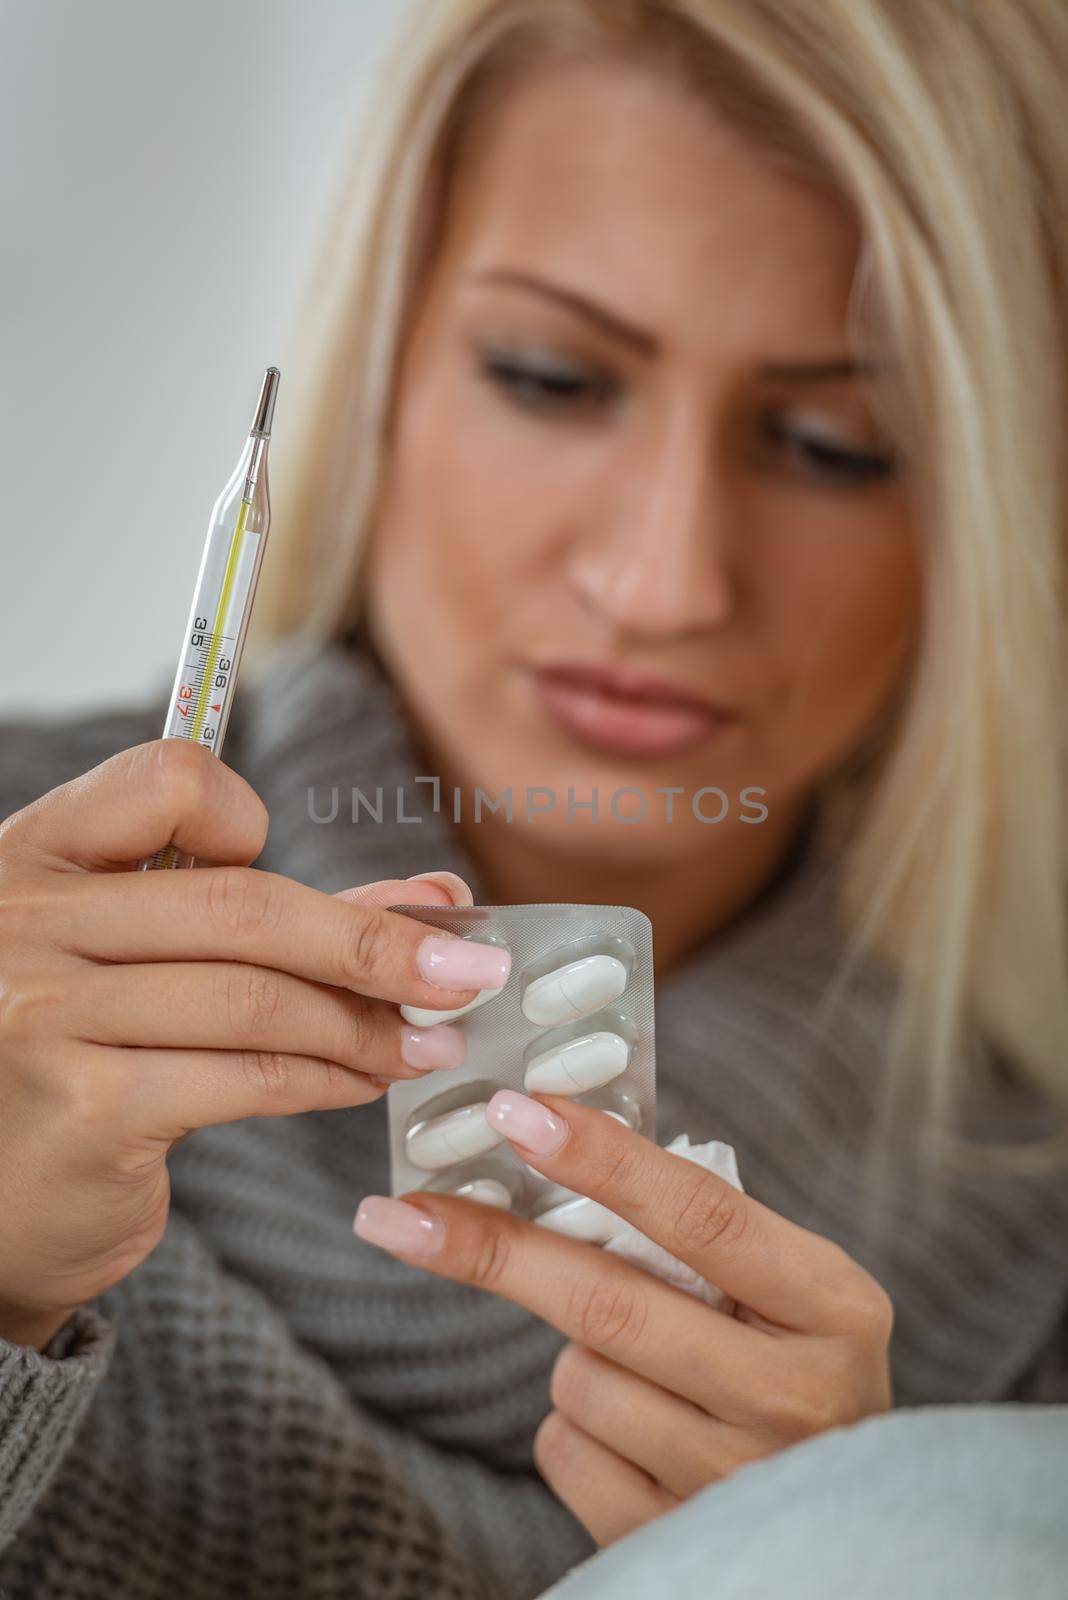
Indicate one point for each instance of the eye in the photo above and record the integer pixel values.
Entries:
(828, 459)
(540, 384)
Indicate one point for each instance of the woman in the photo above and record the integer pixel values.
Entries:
(691, 420)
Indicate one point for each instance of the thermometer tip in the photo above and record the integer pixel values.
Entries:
(265, 405)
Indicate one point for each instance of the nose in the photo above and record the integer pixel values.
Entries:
(655, 560)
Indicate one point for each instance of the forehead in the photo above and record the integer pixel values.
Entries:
(635, 192)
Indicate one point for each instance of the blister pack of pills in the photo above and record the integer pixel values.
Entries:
(575, 1017)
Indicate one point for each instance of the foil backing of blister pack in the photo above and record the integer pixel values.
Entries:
(501, 1039)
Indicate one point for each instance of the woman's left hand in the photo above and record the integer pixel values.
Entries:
(657, 1394)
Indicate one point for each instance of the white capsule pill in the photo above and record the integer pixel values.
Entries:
(578, 1065)
(420, 1017)
(582, 1218)
(575, 990)
(454, 1136)
(487, 1191)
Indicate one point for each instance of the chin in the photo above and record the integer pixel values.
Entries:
(629, 848)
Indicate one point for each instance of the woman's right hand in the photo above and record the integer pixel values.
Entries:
(137, 1006)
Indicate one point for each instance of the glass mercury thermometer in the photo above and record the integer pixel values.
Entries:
(222, 603)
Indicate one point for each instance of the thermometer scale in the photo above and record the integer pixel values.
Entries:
(203, 689)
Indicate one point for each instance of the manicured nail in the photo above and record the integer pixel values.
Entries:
(453, 963)
(441, 1046)
(451, 882)
(526, 1122)
(396, 1226)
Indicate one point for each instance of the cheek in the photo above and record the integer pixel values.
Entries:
(846, 620)
(468, 516)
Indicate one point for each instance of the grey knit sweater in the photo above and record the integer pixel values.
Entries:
(269, 1407)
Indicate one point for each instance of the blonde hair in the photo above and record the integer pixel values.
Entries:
(943, 124)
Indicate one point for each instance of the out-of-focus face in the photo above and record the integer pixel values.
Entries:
(627, 436)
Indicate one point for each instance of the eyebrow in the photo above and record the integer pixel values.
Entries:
(837, 368)
(627, 333)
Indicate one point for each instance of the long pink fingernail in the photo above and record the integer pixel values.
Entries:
(453, 963)
(441, 1046)
(526, 1122)
(396, 1226)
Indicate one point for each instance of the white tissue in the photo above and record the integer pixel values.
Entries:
(635, 1247)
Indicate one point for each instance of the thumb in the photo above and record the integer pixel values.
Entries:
(424, 889)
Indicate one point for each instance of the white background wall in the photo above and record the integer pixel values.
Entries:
(162, 170)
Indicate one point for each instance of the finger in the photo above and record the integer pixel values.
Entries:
(137, 801)
(424, 888)
(227, 1005)
(673, 1441)
(794, 1278)
(243, 914)
(113, 1097)
(592, 1297)
(608, 1494)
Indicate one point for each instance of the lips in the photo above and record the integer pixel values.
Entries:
(622, 712)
